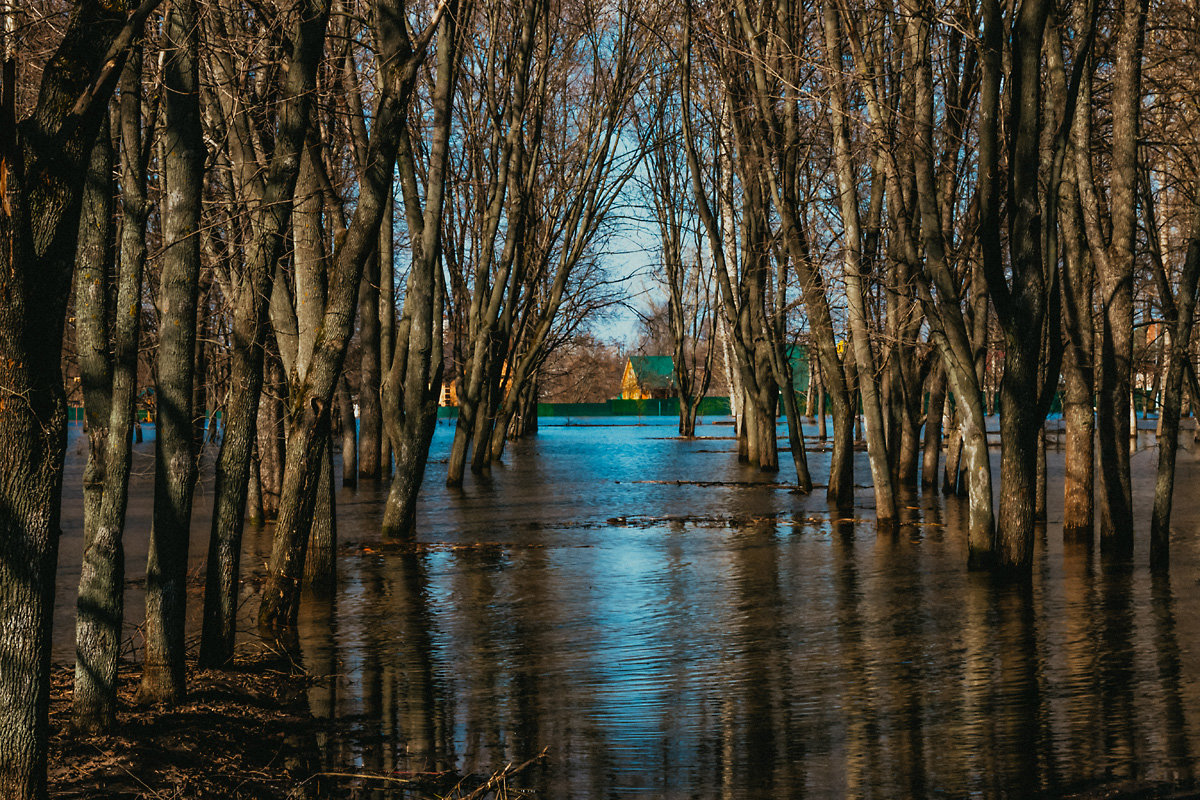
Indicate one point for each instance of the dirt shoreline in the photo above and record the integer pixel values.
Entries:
(245, 732)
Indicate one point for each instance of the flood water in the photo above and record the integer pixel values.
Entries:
(669, 623)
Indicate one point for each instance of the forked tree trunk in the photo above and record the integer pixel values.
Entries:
(400, 60)
(272, 204)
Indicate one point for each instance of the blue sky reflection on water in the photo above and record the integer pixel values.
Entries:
(677, 640)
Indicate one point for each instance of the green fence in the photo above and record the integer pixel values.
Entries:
(669, 407)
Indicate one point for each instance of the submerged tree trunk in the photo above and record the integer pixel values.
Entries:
(881, 476)
(370, 433)
(250, 324)
(934, 415)
(1182, 310)
(309, 404)
(174, 452)
(319, 565)
(413, 384)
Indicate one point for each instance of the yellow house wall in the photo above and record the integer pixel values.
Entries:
(629, 385)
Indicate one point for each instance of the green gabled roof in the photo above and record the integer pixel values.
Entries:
(653, 372)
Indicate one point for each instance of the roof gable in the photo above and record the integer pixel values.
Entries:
(654, 372)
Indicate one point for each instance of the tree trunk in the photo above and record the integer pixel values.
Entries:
(310, 402)
(387, 316)
(320, 565)
(413, 384)
(1115, 273)
(174, 452)
(1168, 443)
(881, 477)
(271, 441)
(370, 432)
(349, 434)
(43, 163)
(933, 430)
(272, 209)
(101, 584)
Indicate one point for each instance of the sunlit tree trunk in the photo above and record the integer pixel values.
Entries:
(43, 164)
(271, 204)
(174, 451)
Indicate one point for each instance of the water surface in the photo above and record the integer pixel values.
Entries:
(670, 623)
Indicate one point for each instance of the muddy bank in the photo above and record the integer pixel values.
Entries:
(246, 732)
(242, 733)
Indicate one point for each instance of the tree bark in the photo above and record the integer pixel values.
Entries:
(174, 453)
(370, 432)
(43, 162)
(934, 415)
(309, 404)
(410, 392)
(1180, 313)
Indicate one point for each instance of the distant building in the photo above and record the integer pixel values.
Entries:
(653, 377)
(648, 378)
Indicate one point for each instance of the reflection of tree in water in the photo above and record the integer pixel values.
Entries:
(1021, 727)
(1166, 645)
(901, 647)
(374, 672)
(416, 700)
(1080, 655)
(1117, 674)
(863, 757)
(480, 649)
(767, 750)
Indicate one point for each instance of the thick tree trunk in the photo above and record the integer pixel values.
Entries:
(1019, 430)
(1078, 377)
(43, 162)
(174, 453)
(464, 430)
(99, 606)
(400, 513)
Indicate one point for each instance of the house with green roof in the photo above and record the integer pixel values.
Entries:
(648, 378)
(653, 377)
